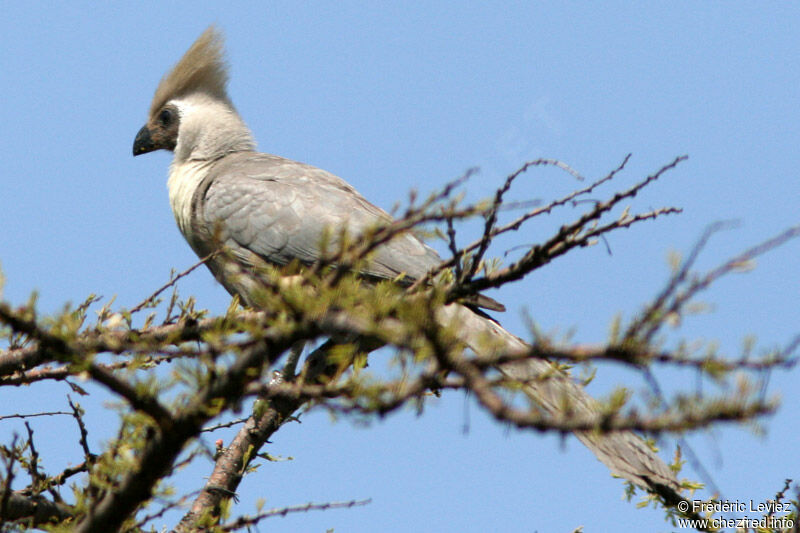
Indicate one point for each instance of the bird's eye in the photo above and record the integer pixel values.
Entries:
(165, 117)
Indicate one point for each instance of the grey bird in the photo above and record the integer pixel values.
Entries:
(265, 209)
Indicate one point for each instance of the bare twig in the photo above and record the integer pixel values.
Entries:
(248, 521)
(34, 415)
(173, 280)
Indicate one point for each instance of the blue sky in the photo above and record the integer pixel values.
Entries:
(394, 97)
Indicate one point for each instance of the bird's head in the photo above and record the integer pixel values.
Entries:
(191, 113)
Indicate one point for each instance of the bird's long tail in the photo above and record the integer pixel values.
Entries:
(625, 453)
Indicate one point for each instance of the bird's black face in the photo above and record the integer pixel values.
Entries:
(160, 132)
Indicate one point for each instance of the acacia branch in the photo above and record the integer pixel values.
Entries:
(248, 521)
(233, 353)
(568, 237)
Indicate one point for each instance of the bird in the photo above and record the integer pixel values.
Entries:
(268, 210)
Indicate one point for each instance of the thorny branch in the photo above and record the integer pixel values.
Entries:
(248, 521)
(219, 362)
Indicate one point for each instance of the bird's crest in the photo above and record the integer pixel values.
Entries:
(201, 69)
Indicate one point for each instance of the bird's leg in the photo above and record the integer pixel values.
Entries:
(290, 367)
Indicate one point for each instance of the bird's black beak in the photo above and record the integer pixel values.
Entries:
(143, 142)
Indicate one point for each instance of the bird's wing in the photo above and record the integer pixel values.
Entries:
(281, 210)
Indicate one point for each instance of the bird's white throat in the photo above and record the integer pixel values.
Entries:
(184, 178)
